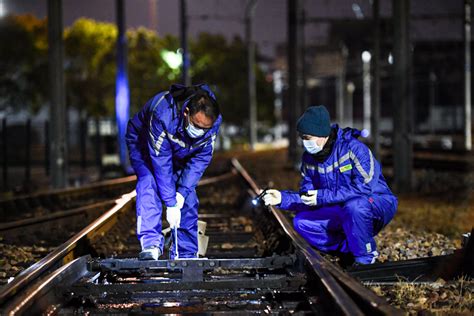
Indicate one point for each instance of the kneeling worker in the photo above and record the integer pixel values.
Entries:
(171, 142)
(344, 200)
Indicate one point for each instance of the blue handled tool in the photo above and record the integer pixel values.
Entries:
(176, 256)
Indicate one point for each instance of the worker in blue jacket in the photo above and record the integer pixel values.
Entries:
(343, 200)
(171, 142)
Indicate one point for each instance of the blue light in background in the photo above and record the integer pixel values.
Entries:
(122, 90)
(122, 106)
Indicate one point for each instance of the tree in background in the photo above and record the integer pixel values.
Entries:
(90, 68)
(148, 73)
(223, 65)
(23, 63)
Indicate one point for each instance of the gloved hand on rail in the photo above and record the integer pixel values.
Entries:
(272, 197)
(173, 216)
(310, 198)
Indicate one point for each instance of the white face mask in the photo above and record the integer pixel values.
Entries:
(311, 146)
(193, 131)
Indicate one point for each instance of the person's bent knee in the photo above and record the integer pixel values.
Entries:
(357, 207)
(298, 222)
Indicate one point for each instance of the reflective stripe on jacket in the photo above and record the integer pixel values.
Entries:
(350, 171)
(157, 137)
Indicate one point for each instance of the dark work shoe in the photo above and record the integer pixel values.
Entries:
(356, 264)
(150, 253)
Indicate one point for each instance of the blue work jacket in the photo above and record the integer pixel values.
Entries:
(350, 171)
(156, 137)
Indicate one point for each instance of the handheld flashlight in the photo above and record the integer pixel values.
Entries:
(256, 200)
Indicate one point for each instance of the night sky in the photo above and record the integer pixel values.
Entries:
(226, 16)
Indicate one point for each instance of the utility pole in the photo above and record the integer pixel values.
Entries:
(185, 79)
(251, 83)
(467, 75)
(340, 89)
(57, 114)
(349, 116)
(366, 87)
(301, 66)
(402, 121)
(122, 90)
(293, 76)
(152, 15)
(4, 154)
(278, 103)
(432, 80)
(376, 85)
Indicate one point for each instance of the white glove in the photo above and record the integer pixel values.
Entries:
(173, 216)
(179, 200)
(272, 197)
(310, 198)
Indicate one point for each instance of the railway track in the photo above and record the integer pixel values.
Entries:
(255, 262)
(51, 202)
(32, 225)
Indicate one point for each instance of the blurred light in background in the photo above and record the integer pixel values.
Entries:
(122, 101)
(3, 9)
(366, 56)
(173, 59)
(390, 59)
(357, 11)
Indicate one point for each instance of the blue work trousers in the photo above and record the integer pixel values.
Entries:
(347, 227)
(149, 216)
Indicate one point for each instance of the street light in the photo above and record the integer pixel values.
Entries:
(366, 57)
(390, 59)
(174, 60)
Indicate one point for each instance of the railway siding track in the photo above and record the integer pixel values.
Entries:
(49, 202)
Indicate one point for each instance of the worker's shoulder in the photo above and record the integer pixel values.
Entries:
(357, 147)
(161, 108)
(351, 143)
(160, 103)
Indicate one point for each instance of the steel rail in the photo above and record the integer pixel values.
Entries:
(61, 252)
(66, 252)
(53, 216)
(84, 209)
(51, 200)
(71, 270)
(350, 295)
(66, 191)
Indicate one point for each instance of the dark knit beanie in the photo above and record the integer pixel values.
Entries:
(315, 121)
